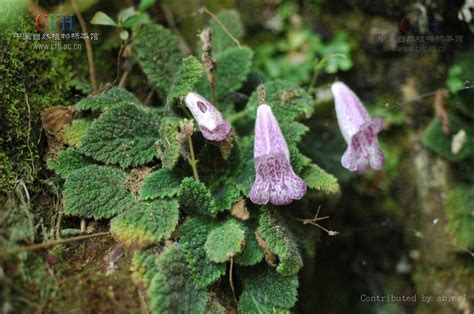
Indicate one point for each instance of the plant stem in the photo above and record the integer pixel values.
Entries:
(237, 116)
(45, 245)
(231, 283)
(83, 225)
(213, 91)
(87, 41)
(319, 66)
(192, 160)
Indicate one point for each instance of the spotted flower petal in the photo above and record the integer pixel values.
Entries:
(213, 127)
(275, 180)
(358, 129)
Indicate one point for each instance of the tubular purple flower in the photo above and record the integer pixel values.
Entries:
(213, 127)
(275, 179)
(358, 129)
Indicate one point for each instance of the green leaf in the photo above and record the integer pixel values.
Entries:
(125, 14)
(244, 175)
(232, 23)
(146, 223)
(189, 73)
(96, 192)
(168, 145)
(439, 142)
(288, 102)
(215, 307)
(136, 20)
(143, 267)
(248, 303)
(225, 241)
(67, 162)
(280, 241)
(269, 287)
(459, 211)
(160, 184)
(225, 193)
(125, 135)
(297, 159)
(454, 82)
(317, 178)
(157, 52)
(294, 131)
(171, 290)
(233, 65)
(100, 18)
(251, 253)
(106, 100)
(146, 4)
(193, 236)
(196, 199)
(73, 133)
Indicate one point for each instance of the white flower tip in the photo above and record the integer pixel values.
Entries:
(264, 108)
(338, 87)
(192, 97)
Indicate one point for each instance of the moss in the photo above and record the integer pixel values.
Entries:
(31, 80)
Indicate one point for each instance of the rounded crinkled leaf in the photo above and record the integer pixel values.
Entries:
(124, 135)
(96, 192)
(146, 223)
(171, 289)
(225, 241)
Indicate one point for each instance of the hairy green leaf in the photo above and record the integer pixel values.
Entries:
(251, 253)
(297, 159)
(196, 199)
(225, 193)
(143, 267)
(215, 307)
(225, 241)
(189, 73)
(108, 99)
(146, 223)
(233, 66)
(280, 241)
(459, 211)
(269, 287)
(168, 145)
(160, 184)
(244, 175)
(230, 20)
(317, 178)
(124, 135)
(96, 192)
(288, 101)
(172, 290)
(248, 303)
(294, 131)
(193, 236)
(74, 132)
(67, 162)
(157, 52)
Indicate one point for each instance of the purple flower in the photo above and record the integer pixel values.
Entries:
(358, 129)
(275, 179)
(213, 127)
